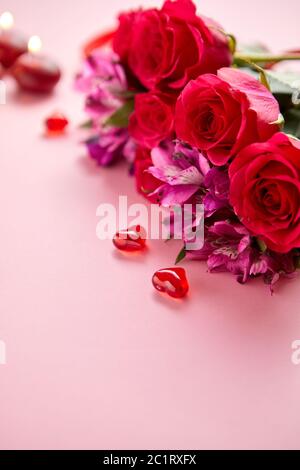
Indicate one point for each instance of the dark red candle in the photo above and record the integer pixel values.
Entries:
(12, 43)
(35, 72)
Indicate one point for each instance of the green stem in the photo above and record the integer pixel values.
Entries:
(262, 58)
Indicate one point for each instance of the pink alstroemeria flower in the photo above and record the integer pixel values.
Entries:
(181, 170)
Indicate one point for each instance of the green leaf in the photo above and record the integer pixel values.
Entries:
(249, 50)
(125, 95)
(292, 122)
(86, 125)
(180, 256)
(263, 79)
(261, 245)
(232, 43)
(280, 83)
(253, 48)
(283, 82)
(280, 121)
(120, 117)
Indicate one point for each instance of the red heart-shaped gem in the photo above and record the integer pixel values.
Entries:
(56, 123)
(130, 239)
(172, 281)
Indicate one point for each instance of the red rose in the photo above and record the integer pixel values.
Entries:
(152, 120)
(222, 114)
(145, 182)
(265, 191)
(168, 47)
(122, 36)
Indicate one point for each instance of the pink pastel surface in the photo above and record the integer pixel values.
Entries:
(95, 357)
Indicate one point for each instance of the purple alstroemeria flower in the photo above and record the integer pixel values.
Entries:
(227, 248)
(217, 184)
(274, 265)
(104, 81)
(102, 66)
(181, 170)
(111, 145)
(100, 103)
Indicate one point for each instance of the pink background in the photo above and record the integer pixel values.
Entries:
(95, 357)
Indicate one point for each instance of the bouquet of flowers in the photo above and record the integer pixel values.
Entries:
(201, 120)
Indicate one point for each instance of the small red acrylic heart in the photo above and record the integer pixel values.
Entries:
(130, 239)
(56, 123)
(172, 281)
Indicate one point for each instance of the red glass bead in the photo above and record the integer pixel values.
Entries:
(172, 281)
(130, 239)
(57, 123)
